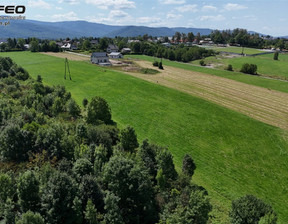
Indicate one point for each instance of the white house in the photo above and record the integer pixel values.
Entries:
(100, 58)
(115, 55)
(66, 46)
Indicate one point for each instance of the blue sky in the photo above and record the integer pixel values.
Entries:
(268, 17)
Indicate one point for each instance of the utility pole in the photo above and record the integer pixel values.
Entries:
(67, 65)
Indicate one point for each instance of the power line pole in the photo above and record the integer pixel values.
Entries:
(67, 65)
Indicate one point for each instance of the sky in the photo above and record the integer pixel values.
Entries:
(262, 16)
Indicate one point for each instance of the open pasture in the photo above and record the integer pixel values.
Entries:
(235, 154)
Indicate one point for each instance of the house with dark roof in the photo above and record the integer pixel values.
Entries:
(100, 58)
(94, 42)
(112, 48)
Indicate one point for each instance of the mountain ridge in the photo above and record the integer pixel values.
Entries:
(71, 29)
(81, 28)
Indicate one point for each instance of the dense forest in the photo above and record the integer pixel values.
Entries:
(62, 163)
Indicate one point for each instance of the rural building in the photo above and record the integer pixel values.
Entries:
(206, 41)
(94, 42)
(133, 41)
(26, 46)
(100, 58)
(126, 50)
(115, 55)
(66, 46)
(74, 46)
(166, 44)
(112, 48)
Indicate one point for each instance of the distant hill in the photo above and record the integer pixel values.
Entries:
(130, 31)
(54, 30)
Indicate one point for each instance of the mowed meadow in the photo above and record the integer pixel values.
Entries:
(235, 155)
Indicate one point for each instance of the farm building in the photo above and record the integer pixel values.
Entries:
(115, 55)
(100, 58)
(112, 48)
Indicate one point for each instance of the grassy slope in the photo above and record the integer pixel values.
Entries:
(238, 50)
(266, 65)
(240, 77)
(235, 155)
(233, 49)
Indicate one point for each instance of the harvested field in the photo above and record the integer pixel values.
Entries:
(268, 106)
(69, 56)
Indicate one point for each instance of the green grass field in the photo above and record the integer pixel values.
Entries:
(267, 66)
(265, 63)
(237, 50)
(278, 85)
(235, 155)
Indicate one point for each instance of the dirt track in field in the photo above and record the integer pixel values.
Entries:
(69, 56)
(268, 106)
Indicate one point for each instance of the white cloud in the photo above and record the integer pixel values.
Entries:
(148, 20)
(118, 17)
(234, 7)
(71, 2)
(117, 4)
(172, 2)
(187, 8)
(266, 28)
(118, 14)
(72, 16)
(212, 18)
(173, 16)
(251, 17)
(191, 23)
(206, 8)
(39, 4)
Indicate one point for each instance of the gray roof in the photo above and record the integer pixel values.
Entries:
(112, 46)
(94, 41)
(99, 54)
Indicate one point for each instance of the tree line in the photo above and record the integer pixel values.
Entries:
(243, 38)
(62, 163)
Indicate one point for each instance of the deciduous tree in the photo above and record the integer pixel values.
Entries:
(98, 110)
(249, 210)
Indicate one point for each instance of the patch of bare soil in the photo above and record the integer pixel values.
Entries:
(268, 106)
(69, 56)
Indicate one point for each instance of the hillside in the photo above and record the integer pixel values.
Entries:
(235, 155)
(54, 30)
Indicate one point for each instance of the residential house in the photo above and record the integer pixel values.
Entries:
(112, 48)
(115, 55)
(100, 58)
(206, 41)
(126, 50)
(166, 44)
(66, 46)
(94, 42)
(74, 46)
(133, 41)
(26, 46)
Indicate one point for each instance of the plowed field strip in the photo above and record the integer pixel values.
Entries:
(262, 104)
